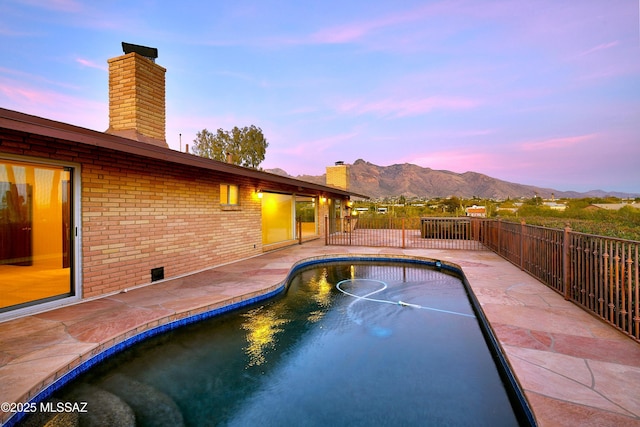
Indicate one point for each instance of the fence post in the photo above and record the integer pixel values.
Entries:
(522, 226)
(474, 230)
(499, 248)
(326, 230)
(565, 262)
(403, 244)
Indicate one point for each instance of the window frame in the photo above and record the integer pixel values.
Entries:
(226, 189)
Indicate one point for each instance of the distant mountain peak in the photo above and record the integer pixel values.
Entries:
(411, 180)
(277, 171)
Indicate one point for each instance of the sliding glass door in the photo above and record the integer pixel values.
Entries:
(288, 216)
(306, 216)
(277, 218)
(36, 225)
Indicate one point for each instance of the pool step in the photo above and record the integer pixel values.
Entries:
(103, 408)
(51, 419)
(152, 407)
(116, 401)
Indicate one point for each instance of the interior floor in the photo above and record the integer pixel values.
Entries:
(20, 284)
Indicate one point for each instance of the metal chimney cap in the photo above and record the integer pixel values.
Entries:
(339, 163)
(148, 52)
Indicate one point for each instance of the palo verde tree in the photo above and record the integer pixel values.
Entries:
(246, 146)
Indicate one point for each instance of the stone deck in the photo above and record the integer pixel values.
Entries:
(575, 369)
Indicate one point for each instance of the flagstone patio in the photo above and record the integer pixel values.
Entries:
(575, 370)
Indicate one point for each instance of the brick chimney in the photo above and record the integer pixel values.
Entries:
(137, 96)
(338, 175)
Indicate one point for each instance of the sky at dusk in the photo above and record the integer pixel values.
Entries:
(538, 92)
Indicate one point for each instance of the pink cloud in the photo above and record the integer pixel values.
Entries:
(354, 31)
(602, 46)
(22, 95)
(555, 143)
(53, 105)
(319, 145)
(343, 34)
(470, 133)
(35, 78)
(408, 107)
(624, 66)
(90, 64)
(308, 157)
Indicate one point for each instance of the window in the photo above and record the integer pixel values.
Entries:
(229, 194)
(306, 216)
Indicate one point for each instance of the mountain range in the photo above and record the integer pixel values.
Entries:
(415, 181)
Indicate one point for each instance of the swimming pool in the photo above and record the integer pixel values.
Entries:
(348, 343)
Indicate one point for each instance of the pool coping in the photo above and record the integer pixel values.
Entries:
(515, 391)
(574, 369)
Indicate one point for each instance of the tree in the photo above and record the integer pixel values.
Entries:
(246, 146)
(453, 205)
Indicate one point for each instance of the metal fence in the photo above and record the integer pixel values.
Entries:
(600, 274)
(536, 250)
(603, 278)
(416, 233)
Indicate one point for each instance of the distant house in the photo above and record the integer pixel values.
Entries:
(555, 206)
(85, 214)
(476, 211)
(612, 206)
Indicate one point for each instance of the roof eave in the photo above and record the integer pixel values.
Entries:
(26, 123)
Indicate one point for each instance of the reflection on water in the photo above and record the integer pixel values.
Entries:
(262, 326)
(320, 289)
(300, 359)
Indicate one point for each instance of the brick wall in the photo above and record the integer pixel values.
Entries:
(136, 219)
(137, 215)
(338, 176)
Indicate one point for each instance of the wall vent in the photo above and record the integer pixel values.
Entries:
(157, 274)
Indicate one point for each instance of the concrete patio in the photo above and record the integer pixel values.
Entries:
(575, 369)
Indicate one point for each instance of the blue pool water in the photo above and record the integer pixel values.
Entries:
(353, 344)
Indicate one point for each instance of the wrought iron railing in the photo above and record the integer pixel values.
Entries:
(417, 233)
(536, 250)
(600, 274)
(603, 277)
